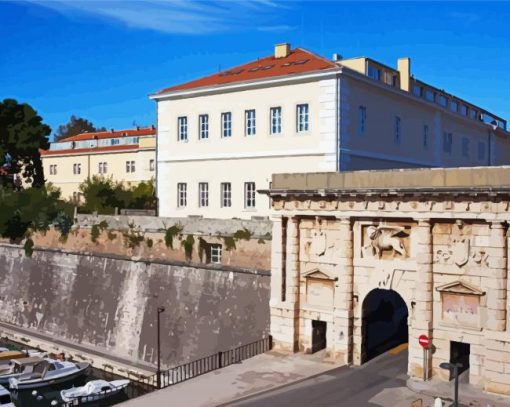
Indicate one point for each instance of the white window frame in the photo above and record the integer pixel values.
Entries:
(226, 195)
(130, 166)
(53, 169)
(275, 119)
(76, 168)
(182, 128)
(302, 118)
(226, 124)
(151, 165)
(182, 194)
(362, 118)
(102, 167)
(216, 251)
(203, 127)
(249, 195)
(250, 122)
(203, 194)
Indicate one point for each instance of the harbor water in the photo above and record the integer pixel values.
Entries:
(50, 395)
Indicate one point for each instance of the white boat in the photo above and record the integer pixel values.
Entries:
(94, 390)
(16, 366)
(36, 372)
(2, 349)
(5, 397)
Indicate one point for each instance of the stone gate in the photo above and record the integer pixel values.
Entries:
(437, 237)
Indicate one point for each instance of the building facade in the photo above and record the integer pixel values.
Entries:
(222, 136)
(364, 261)
(124, 155)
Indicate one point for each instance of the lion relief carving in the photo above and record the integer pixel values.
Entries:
(382, 238)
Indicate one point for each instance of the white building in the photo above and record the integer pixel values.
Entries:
(220, 138)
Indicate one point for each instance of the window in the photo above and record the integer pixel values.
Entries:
(130, 166)
(473, 113)
(182, 130)
(250, 125)
(417, 90)
(182, 194)
(442, 100)
(216, 253)
(203, 125)
(374, 73)
(465, 147)
(102, 167)
(53, 169)
(249, 194)
(226, 194)
(362, 119)
(447, 143)
(302, 118)
(115, 141)
(151, 165)
(76, 196)
(454, 106)
(425, 136)
(226, 124)
(276, 120)
(481, 150)
(430, 95)
(463, 110)
(76, 169)
(203, 194)
(397, 130)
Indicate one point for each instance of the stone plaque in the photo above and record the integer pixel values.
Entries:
(319, 292)
(461, 309)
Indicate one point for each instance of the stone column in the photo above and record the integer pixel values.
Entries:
(497, 278)
(343, 314)
(285, 284)
(421, 322)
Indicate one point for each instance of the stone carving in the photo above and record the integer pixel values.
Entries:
(318, 243)
(460, 251)
(480, 257)
(384, 238)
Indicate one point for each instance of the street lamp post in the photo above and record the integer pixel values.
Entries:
(455, 367)
(158, 373)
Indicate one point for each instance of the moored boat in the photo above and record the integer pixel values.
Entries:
(44, 372)
(16, 367)
(93, 391)
(5, 397)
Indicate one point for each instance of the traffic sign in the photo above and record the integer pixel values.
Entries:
(424, 341)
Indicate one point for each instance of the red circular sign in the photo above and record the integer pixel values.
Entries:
(424, 341)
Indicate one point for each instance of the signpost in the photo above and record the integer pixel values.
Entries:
(424, 342)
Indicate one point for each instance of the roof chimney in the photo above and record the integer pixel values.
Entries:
(112, 130)
(153, 127)
(336, 57)
(282, 50)
(404, 69)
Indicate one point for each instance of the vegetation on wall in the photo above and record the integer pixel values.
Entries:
(97, 229)
(103, 194)
(133, 236)
(28, 247)
(171, 233)
(188, 246)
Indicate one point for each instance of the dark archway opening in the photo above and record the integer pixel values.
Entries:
(384, 323)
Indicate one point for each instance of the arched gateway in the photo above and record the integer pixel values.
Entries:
(362, 261)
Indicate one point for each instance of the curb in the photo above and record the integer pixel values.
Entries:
(261, 392)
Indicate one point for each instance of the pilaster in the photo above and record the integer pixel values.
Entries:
(343, 315)
(497, 299)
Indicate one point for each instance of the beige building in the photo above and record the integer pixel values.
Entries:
(124, 155)
(364, 261)
(221, 137)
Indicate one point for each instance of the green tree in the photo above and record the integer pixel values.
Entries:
(22, 134)
(75, 125)
(32, 209)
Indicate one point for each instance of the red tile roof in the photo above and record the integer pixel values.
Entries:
(298, 61)
(147, 131)
(78, 151)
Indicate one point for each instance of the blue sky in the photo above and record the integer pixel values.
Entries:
(101, 59)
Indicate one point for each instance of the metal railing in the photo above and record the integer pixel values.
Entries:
(187, 371)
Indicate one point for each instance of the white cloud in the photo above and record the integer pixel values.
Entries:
(276, 28)
(170, 16)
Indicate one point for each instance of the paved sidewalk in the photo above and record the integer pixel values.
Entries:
(252, 376)
(469, 395)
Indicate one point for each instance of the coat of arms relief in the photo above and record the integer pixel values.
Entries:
(460, 252)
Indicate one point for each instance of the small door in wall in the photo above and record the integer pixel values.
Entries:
(318, 335)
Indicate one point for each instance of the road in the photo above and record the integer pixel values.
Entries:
(380, 382)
